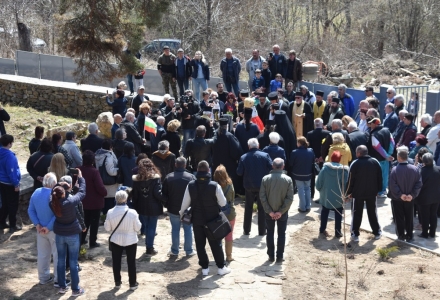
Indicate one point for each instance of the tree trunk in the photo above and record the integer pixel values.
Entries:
(24, 37)
(208, 24)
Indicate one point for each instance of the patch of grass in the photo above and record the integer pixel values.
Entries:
(384, 253)
(363, 276)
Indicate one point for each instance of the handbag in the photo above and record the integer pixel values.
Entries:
(106, 178)
(109, 243)
(187, 216)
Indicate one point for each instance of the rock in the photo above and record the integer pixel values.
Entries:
(79, 128)
(105, 123)
(276, 274)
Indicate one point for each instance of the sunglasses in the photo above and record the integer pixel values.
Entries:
(389, 93)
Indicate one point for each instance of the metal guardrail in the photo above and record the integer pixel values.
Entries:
(407, 91)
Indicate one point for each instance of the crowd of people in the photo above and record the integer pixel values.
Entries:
(264, 144)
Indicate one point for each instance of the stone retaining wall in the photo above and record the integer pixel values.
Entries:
(78, 101)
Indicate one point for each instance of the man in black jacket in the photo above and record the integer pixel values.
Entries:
(190, 110)
(199, 149)
(205, 197)
(333, 111)
(357, 137)
(133, 135)
(92, 142)
(139, 99)
(4, 116)
(405, 185)
(364, 182)
(173, 188)
(277, 62)
(170, 112)
(315, 138)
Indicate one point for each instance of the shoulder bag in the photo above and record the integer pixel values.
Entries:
(106, 178)
(110, 243)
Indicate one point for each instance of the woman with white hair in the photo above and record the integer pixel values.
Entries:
(426, 123)
(166, 97)
(200, 74)
(273, 149)
(123, 223)
(43, 218)
(340, 145)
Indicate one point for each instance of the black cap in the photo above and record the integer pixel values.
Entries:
(223, 121)
(248, 111)
(207, 108)
(319, 93)
(262, 95)
(244, 93)
(336, 100)
(275, 106)
(166, 47)
(270, 122)
(298, 94)
(273, 96)
(280, 112)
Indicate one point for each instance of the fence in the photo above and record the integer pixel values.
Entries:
(60, 68)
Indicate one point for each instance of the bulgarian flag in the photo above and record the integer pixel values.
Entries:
(256, 119)
(150, 126)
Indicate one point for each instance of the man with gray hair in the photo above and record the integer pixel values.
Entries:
(426, 123)
(92, 142)
(399, 103)
(405, 184)
(230, 67)
(277, 62)
(276, 196)
(433, 133)
(133, 135)
(164, 159)
(400, 126)
(391, 119)
(346, 99)
(253, 166)
(391, 93)
(273, 149)
(43, 219)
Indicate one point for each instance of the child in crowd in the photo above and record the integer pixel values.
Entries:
(258, 80)
(277, 83)
(267, 75)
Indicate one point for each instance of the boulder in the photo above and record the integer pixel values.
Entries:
(105, 122)
(79, 128)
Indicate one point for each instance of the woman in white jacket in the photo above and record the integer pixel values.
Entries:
(124, 237)
(111, 165)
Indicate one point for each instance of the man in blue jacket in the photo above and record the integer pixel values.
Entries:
(119, 105)
(391, 119)
(347, 100)
(231, 68)
(253, 166)
(9, 184)
(43, 218)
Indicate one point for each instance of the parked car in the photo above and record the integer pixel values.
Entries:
(156, 46)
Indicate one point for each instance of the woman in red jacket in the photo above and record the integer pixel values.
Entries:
(93, 202)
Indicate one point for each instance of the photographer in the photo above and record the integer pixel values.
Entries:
(189, 110)
(171, 112)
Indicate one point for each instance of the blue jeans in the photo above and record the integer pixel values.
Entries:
(187, 134)
(183, 85)
(68, 243)
(303, 194)
(150, 223)
(229, 86)
(385, 166)
(130, 82)
(281, 241)
(197, 84)
(175, 235)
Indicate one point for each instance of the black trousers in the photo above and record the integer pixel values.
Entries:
(91, 219)
(9, 204)
(216, 248)
(253, 195)
(403, 212)
(428, 218)
(358, 210)
(131, 262)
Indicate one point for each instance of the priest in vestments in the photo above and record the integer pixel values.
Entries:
(319, 105)
(301, 115)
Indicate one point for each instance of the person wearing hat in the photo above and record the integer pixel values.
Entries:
(381, 147)
(183, 71)
(283, 126)
(247, 130)
(230, 67)
(319, 105)
(226, 150)
(275, 104)
(166, 67)
(139, 99)
(301, 115)
(262, 106)
(240, 104)
(335, 111)
(199, 74)
(410, 132)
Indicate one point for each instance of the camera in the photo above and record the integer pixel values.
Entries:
(185, 99)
